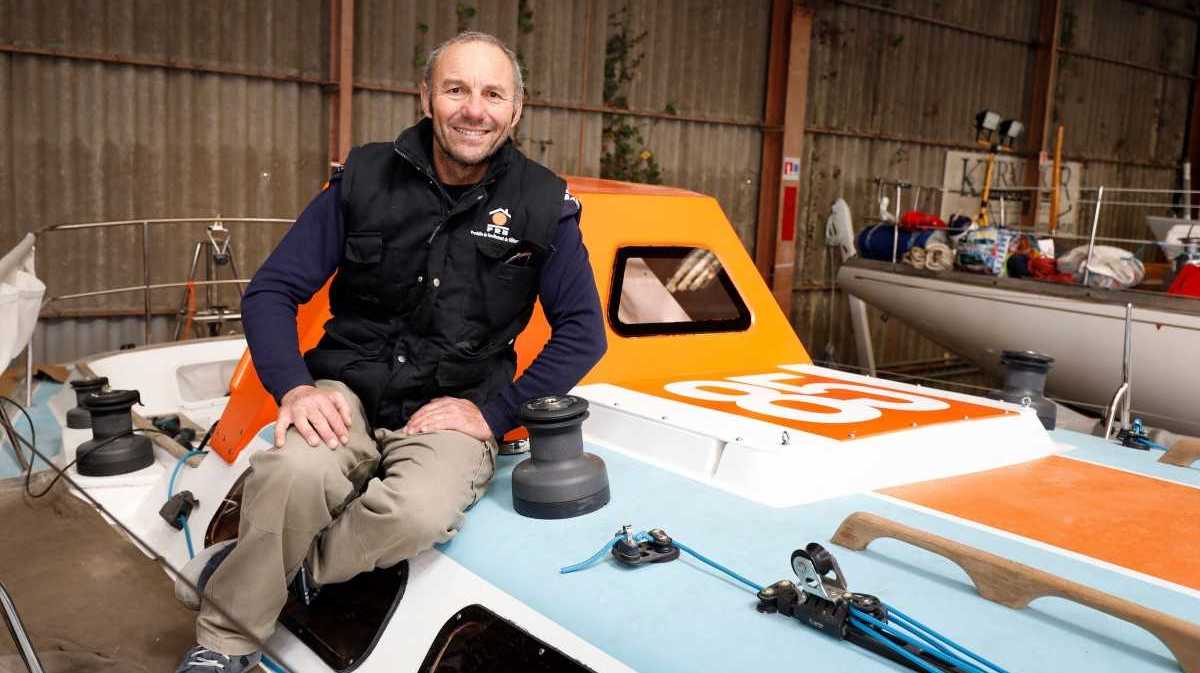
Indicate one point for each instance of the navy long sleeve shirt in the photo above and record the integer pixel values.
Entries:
(312, 250)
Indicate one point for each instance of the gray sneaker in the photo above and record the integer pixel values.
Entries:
(203, 660)
(189, 586)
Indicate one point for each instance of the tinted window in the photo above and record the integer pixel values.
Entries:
(673, 290)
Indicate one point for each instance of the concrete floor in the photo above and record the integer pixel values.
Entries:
(90, 601)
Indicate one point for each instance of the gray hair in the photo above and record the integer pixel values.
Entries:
(475, 36)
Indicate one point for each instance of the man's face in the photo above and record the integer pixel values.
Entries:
(472, 101)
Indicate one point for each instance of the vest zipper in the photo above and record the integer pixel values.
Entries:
(458, 207)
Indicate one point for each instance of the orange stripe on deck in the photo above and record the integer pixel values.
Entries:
(1129, 520)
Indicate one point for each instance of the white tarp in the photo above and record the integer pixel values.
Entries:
(20, 300)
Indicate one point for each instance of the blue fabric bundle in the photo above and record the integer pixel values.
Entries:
(875, 242)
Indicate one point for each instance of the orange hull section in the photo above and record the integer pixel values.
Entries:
(1125, 519)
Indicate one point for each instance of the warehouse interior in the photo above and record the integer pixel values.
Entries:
(991, 210)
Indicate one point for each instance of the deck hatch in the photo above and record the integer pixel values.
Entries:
(477, 639)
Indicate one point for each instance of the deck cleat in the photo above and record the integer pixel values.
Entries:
(659, 548)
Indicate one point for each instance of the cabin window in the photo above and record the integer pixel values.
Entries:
(673, 290)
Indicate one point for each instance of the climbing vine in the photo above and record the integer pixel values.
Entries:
(464, 14)
(419, 49)
(625, 155)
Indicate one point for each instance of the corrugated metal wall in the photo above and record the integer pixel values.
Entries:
(115, 135)
(91, 141)
(889, 94)
(85, 140)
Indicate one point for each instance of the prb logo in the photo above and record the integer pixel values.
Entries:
(499, 222)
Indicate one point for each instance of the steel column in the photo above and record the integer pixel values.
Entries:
(1192, 141)
(800, 48)
(341, 71)
(772, 139)
(1041, 104)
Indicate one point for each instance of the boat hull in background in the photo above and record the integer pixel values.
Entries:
(1083, 329)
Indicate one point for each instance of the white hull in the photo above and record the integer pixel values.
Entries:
(1170, 232)
(978, 318)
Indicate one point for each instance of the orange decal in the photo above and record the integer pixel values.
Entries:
(835, 408)
(1126, 519)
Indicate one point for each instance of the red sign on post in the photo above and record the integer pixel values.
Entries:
(787, 229)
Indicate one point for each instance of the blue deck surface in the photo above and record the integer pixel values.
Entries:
(1112, 454)
(49, 435)
(684, 616)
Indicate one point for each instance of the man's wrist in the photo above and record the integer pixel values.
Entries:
(293, 391)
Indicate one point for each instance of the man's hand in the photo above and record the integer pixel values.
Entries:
(450, 413)
(319, 415)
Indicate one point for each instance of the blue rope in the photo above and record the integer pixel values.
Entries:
(1152, 444)
(187, 533)
(918, 635)
(893, 646)
(718, 566)
(915, 626)
(915, 641)
(601, 553)
(266, 662)
(178, 467)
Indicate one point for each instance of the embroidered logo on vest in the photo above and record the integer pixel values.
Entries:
(497, 227)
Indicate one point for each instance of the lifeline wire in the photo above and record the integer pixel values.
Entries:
(266, 661)
(62, 473)
(16, 439)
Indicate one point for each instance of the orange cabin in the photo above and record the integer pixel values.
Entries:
(640, 230)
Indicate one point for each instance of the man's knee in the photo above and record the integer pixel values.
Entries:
(294, 468)
(296, 486)
(427, 522)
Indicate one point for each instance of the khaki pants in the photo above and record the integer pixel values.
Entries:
(309, 502)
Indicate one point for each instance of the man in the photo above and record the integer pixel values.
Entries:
(441, 241)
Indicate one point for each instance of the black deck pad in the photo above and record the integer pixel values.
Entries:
(346, 620)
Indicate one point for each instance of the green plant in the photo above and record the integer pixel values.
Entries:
(524, 17)
(625, 154)
(464, 13)
(419, 51)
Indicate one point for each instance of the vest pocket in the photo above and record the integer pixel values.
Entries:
(458, 374)
(364, 247)
(508, 275)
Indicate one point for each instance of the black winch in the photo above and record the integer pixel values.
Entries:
(1025, 383)
(113, 448)
(558, 480)
(78, 417)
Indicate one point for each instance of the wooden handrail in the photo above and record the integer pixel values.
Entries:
(1182, 453)
(1016, 585)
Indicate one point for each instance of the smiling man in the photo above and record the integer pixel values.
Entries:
(386, 434)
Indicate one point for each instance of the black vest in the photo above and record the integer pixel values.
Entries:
(430, 294)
